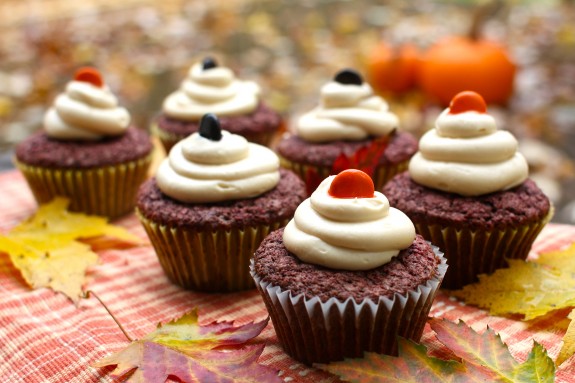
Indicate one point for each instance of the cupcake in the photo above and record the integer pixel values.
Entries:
(348, 274)
(351, 128)
(211, 203)
(210, 88)
(87, 151)
(467, 191)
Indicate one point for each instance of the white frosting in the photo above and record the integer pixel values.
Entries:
(467, 155)
(199, 170)
(346, 112)
(85, 112)
(214, 90)
(347, 233)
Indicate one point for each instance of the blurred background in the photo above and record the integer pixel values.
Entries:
(291, 48)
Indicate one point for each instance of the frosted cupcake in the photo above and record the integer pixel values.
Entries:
(87, 151)
(211, 203)
(467, 190)
(350, 128)
(211, 88)
(348, 274)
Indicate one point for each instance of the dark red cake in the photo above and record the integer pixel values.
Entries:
(523, 204)
(208, 246)
(275, 205)
(41, 150)
(412, 267)
(477, 234)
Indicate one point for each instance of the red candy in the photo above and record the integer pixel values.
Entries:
(89, 75)
(351, 183)
(467, 101)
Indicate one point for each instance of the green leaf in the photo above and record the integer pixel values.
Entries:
(538, 368)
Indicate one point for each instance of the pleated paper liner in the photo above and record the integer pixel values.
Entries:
(108, 191)
(470, 253)
(382, 174)
(168, 139)
(312, 331)
(210, 261)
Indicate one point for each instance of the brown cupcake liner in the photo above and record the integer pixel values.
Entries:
(108, 191)
(168, 139)
(470, 253)
(313, 331)
(382, 173)
(210, 261)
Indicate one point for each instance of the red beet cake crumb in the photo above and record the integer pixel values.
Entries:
(273, 206)
(523, 204)
(412, 267)
(262, 120)
(43, 151)
(401, 147)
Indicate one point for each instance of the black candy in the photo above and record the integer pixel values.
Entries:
(209, 63)
(210, 127)
(348, 77)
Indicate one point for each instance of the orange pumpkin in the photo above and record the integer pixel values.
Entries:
(456, 64)
(392, 69)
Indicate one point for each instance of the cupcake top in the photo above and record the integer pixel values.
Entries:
(214, 165)
(346, 225)
(466, 153)
(348, 110)
(210, 88)
(87, 110)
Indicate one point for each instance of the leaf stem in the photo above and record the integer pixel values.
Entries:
(89, 293)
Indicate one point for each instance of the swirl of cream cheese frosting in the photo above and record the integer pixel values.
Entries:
(85, 112)
(466, 154)
(347, 233)
(211, 90)
(346, 112)
(200, 170)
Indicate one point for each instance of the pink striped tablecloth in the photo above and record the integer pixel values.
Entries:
(46, 338)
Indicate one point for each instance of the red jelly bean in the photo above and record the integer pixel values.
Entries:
(467, 101)
(89, 75)
(351, 183)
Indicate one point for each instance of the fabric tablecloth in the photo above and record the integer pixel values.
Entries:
(44, 337)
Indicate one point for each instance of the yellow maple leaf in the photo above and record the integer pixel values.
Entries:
(47, 251)
(568, 347)
(529, 288)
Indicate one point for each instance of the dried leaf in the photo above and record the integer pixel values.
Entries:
(528, 288)
(46, 250)
(193, 353)
(483, 358)
(568, 347)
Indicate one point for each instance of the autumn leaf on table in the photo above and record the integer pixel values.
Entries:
(48, 251)
(193, 353)
(483, 358)
(568, 347)
(529, 288)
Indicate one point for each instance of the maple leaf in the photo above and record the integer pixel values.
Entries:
(193, 353)
(483, 358)
(529, 288)
(568, 347)
(47, 251)
(365, 159)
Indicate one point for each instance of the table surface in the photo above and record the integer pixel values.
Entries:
(44, 337)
